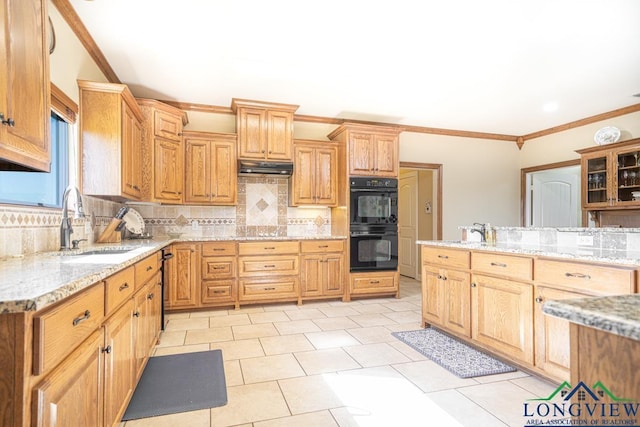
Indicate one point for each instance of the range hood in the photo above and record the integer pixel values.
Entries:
(252, 167)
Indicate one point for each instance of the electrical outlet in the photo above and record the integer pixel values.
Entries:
(585, 241)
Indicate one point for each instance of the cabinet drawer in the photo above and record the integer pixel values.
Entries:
(119, 288)
(446, 257)
(322, 246)
(218, 291)
(218, 267)
(586, 278)
(257, 289)
(62, 328)
(266, 248)
(373, 284)
(167, 125)
(520, 268)
(146, 268)
(270, 265)
(219, 248)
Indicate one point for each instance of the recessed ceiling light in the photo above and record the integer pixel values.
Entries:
(550, 107)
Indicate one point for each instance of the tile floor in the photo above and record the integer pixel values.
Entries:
(336, 364)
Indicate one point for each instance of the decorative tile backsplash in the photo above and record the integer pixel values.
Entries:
(262, 210)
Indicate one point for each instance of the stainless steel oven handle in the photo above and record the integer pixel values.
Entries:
(369, 233)
(382, 190)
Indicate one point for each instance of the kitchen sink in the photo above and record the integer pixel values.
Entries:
(103, 252)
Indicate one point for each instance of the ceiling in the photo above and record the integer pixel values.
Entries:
(481, 66)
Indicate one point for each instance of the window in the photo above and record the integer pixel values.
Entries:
(39, 188)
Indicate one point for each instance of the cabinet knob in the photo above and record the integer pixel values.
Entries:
(150, 296)
(473, 285)
(539, 300)
(136, 314)
(8, 122)
(262, 151)
(107, 349)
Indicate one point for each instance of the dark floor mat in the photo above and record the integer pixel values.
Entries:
(179, 383)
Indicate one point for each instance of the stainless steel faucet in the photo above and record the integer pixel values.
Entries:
(65, 225)
(482, 230)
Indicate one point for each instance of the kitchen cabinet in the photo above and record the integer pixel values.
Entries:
(182, 273)
(315, 174)
(24, 86)
(111, 141)
(265, 129)
(610, 174)
(146, 314)
(374, 283)
(322, 268)
(211, 168)
(218, 272)
(372, 150)
(163, 151)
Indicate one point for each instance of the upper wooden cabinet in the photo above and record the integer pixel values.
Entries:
(110, 141)
(315, 174)
(211, 168)
(372, 150)
(610, 174)
(24, 86)
(265, 129)
(163, 149)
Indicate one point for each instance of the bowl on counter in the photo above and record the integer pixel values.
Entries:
(174, 234)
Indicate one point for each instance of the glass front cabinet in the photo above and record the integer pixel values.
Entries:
(611, 176)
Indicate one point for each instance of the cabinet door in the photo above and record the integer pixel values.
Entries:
(552, 335)
(502, 316)
(119, 363)
(626, 176)
(72, 394)
(432, 296)
(224, 177)
(24, 87)
(198, 169)
(312, 275)
(168, 172)
(279, 135)
(326, 176)
(252, 133)
(183, 280)
(596, 179)
(131, 153)
(303, 180)
(333, 283)
(167, 125)
(458, 302)
(386, 155)
(360, 154)
(140, 330)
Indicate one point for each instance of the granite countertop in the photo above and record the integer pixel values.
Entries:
(569, 253)
(33, 282)
(619, 314)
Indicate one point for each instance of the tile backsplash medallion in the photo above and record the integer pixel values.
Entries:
(262, 210)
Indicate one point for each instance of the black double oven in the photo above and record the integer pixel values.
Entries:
(374, 224)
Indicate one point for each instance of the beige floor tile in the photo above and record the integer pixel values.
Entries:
(331, 339)
(286, 344)
(501, 377)
(268, 317)
(370, 308)
(369, 355)
(339, 311)
(314, 419)
(296, 327)
(305, 314)
(366, 301)
(171, 338)
(465, 411)
(233, 373)
(187, 324)
(269, 368)
(247, 309)
(163, 351)
(239, 349)
(402, 306)
(535, 385)
(243, 332)
(334, 323)
(408, 351)
(297, 391)
(198, 336)
(250, 403)
(368, 320)
(431, 377)
(230, 320)
(404, 316)
(314, 304)
(201, 418)
(372, 335)
(281, 307)
(327, 360)
(173, 316)
(209, 313)
(414, 326)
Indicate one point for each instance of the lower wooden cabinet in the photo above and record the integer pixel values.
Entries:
(218, 273)
(182, 275)
(146, 322)
(374, 283)
(446, 299)
(322, 269)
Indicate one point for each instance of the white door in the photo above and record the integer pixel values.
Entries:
(408, 224)
(553, 198)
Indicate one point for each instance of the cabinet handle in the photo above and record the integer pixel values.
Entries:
(323, 246)
(150, 296)
(270, 266)
(123, 287)
(218, 249)
(150, 268)
(218, 267)
(269, 289)
(136, 314)
(443, 256)
(84, 316)
(538, 299)
(473, 285)
(218, 292)
(578, 275)
(498, 264)
(107, 349)
(374, 282)
(269, 248)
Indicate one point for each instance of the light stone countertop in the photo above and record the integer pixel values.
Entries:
(33, 282)
(619, 314)
(610, 256)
